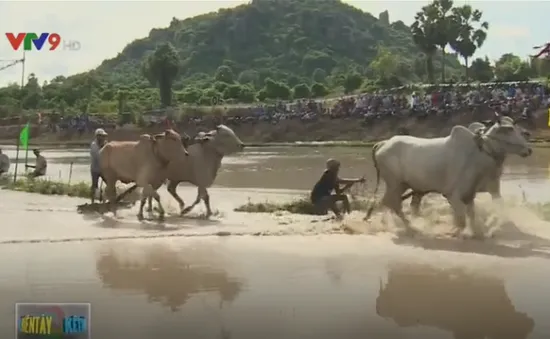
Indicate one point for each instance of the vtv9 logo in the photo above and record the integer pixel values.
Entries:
(52, 40)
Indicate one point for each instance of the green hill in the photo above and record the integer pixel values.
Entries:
(284, 40)
(255, 51)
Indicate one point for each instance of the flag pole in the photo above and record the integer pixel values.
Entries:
(22, 85)
(27, 146)
(18, 141)
(16, 161)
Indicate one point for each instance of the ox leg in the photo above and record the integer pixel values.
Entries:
(471, 213)
(416, 200)
(150, 204)
(172, 189)
(197, 200)
(459, 214)
(110, 191)
(149, 191)
(392, 200)
(206, 199)
(141, 205)
(493, 188)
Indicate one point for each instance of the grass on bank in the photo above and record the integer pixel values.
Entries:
(50, 187)
(304, 206)
(300, 206)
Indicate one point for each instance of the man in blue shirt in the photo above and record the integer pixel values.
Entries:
(95, 169)
(321, 195)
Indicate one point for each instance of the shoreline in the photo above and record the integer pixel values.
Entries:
(537, 143)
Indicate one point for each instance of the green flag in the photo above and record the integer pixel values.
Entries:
(24, 137)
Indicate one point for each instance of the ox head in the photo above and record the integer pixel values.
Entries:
(222, 139)
(185, 140)
(504, 136)
(169, 144)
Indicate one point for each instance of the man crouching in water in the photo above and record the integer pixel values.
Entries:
(40, 166)
(95, 169)
(321, 195)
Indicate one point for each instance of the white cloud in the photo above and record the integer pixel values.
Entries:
(509, 31)
(102, 28)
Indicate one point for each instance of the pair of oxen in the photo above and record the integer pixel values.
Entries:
(167, 157)
(458, 166)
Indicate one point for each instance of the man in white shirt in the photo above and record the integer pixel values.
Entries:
(95, 169)
(4, 163)
(40, 166)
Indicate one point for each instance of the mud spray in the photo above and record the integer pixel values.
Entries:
(508, 222)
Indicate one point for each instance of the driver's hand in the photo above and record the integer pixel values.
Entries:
(362, 180)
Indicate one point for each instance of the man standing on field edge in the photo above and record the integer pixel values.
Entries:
(95, 169)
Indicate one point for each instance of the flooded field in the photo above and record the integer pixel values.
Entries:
(285, 276)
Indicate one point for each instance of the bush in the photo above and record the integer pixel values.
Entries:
(49, 187)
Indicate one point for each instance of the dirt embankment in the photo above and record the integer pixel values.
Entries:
(295, 130)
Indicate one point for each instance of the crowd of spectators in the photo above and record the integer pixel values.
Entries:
(518, 100)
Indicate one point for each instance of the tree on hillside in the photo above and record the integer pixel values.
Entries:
(385, 64)
(541, 67)
(301, 91)
(510, 67)
(481, 70)
(319, 76)
(161, 69)
(423, 31)
(31, 93)
(469, 38)
(318, 90)
(225, 74)
(352, 82)
(440, 12)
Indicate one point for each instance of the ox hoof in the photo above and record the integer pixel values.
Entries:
(410, 232)
(479, 237)
(140, 217)
(457, 232)
(185, 210)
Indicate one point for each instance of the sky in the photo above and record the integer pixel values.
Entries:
(104, 28)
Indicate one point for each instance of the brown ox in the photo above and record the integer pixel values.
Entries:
(143, 162)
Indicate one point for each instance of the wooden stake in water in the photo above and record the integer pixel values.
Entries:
(70, 172)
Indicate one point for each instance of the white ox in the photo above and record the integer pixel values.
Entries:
(144, 162)
(201, 168)
(453, 166)
(491, 182)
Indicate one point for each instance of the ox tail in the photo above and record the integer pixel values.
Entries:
(375, 148)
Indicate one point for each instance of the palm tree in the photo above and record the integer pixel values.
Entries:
(161, 68)
(471, 32)
(440, 11)
(423, 32)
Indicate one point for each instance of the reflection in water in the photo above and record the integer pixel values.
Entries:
(470, 306)
(164, 277)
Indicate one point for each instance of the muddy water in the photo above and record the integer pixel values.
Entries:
(290, 168)
(280, 276)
